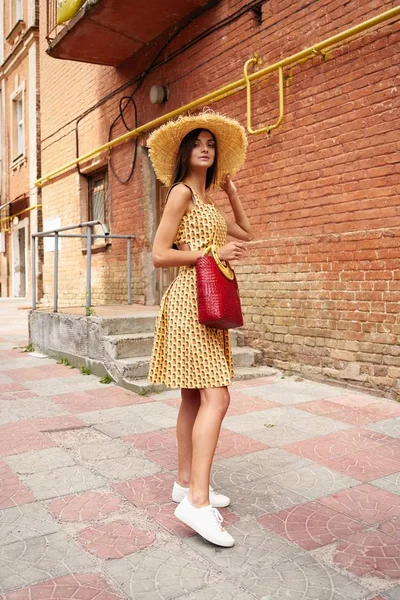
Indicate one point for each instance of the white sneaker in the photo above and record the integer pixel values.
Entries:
(206, 521)
(216, 500)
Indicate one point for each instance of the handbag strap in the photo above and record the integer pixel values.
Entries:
(225, 269)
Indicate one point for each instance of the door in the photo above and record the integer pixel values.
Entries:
(19, 248)
(165, 275)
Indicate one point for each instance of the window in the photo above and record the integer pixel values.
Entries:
(98, 203)
(18, 128)
(16, 11)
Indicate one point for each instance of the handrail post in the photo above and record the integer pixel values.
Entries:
(33, 272)
(88, 266)
(55, 299)
(129, 274)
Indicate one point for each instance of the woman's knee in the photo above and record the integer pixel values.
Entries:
(217, 397)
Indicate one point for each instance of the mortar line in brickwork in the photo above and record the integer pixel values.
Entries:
(229, 89)
(364, 232)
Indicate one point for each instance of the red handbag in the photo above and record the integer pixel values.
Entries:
(218, 299)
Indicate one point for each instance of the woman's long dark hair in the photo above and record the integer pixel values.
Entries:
(182, 162)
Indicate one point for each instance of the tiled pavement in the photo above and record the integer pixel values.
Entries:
(86, 470)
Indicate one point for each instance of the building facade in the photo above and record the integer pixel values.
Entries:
(20, 213)
(321, 282)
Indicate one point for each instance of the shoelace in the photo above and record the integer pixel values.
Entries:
(218, 517)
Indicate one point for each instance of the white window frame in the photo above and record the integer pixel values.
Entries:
(16, 11)
(18, 125)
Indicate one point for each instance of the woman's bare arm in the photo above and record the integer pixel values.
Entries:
(240, 228)
(163, 254)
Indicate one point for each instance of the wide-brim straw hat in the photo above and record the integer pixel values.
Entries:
(231, 139)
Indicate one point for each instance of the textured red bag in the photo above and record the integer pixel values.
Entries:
(218, 299)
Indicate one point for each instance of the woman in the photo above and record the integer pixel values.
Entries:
(192, 154)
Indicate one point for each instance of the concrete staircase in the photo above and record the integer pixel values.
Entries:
(127, 343)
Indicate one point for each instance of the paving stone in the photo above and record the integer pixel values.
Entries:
(313, 481)
(159, 574)
(100, 450)
(155, 489)
(38, 373)
(39, 461)
(365, 503)
(98, 399)
(354, 400)
(310, 525)
(388, 427)
(164, 439)
(123, 421)
(62, 482)
(224, 590)
(40, 558)
(129, 426)
(254, 545)
(369, 464)
(369, 553)
(391, 527)
(278, 435)
(17, 438)
(164, 515)
(23, 522)
(115, 539)
(301, 578)
(60, 423)
(246, 403)
(293, 392)
(89, 506)
(393, 594)
(262, 496)
(332, 446)
(161, 446)
(250, 467)
(127, 467)
(391, 483)
(11, 387)
(154, 412)
(12, 491)
(353, 415)
(85, 586)
(20, 395)
(284, 415)
(56, 386)
(18, 410)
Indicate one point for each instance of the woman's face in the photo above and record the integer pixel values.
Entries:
(203, 152)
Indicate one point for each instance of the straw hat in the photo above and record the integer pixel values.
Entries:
(231, 139)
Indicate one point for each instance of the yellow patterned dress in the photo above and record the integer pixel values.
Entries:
(185, 353)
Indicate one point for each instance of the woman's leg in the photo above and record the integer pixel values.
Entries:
(188, 410)
(214, 403)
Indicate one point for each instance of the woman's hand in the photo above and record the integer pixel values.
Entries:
(228, 186)
(232, 251)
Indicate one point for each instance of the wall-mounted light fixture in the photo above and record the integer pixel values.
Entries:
(158, 94)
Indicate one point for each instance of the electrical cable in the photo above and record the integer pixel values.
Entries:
(141, 77)
(249, 6)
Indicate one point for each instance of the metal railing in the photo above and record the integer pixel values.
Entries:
(90, 236)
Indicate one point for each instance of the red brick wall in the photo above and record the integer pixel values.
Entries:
(321, 283)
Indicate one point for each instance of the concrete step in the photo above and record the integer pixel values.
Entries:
(141, 323)
(145, 388)
(128, 345)
(131, 345)
(137, 367)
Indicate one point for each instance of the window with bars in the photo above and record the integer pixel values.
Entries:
(98, 202)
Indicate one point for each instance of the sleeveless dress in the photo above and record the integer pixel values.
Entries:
(187, 354)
